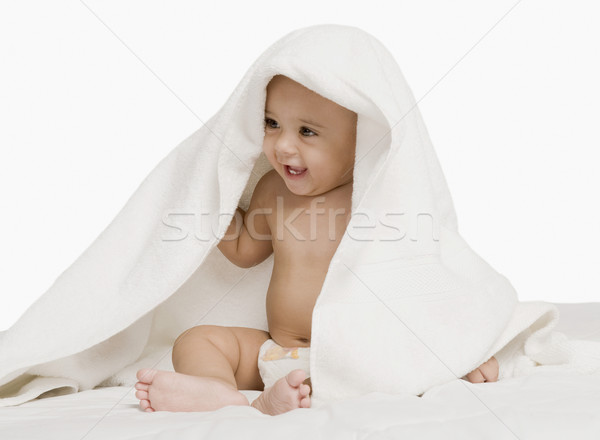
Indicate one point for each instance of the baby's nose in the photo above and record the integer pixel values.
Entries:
(283, 156)
(285, 149)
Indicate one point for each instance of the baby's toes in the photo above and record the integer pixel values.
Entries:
(146, 375)
(304, 390)
(295, 377)
(142, 395)
(305, 402)
(142, 386)
(145, 405)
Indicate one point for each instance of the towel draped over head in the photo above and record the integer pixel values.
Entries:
(406, 304)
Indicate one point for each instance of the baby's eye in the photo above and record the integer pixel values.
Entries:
(308, 129)
(268, 122)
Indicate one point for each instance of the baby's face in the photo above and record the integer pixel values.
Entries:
(309, 140)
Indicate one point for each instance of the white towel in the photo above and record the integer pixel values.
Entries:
(408, 309)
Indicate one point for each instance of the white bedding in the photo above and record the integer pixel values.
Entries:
(540, 406)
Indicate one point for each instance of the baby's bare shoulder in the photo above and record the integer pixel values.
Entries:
(268, 186)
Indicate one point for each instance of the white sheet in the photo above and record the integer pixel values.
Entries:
(538, 406)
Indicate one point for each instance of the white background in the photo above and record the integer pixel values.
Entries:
(512, 108)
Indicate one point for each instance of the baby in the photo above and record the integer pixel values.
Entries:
(310, 141)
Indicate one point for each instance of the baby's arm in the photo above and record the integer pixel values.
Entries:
(253, 243)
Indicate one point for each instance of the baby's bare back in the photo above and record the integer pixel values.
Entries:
(305, 233)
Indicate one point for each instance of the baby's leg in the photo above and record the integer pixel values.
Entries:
(229, 354)
(211, 364)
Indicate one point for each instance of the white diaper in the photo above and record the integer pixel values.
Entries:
(275, 361)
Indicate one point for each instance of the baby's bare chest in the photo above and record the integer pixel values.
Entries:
(309, 228)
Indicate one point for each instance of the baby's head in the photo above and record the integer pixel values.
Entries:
(309, 140)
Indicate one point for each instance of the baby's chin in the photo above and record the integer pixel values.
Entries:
(307, 192)
(298, 192)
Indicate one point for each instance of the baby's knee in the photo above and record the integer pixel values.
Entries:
(186, 341)
(193, 333)
(194, 337)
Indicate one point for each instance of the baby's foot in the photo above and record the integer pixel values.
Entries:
(170, 391)
(286, 394)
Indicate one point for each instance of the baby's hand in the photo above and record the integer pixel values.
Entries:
(487, 372)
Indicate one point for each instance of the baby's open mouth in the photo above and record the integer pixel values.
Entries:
(294, 171)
